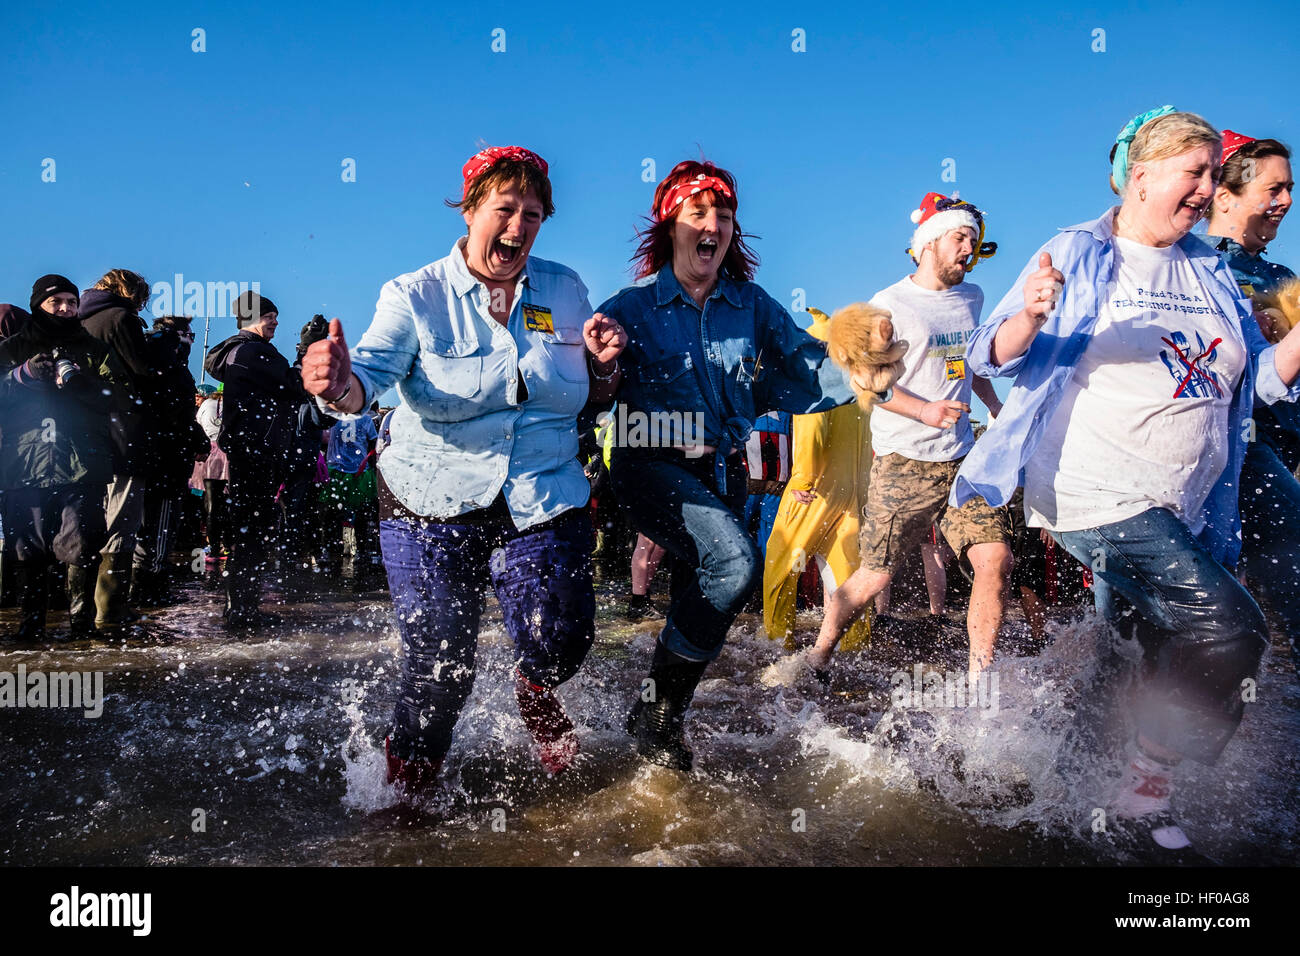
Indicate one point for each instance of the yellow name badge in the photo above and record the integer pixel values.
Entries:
(537, 318)
(955, 368)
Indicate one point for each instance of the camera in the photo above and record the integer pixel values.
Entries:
(64, 369)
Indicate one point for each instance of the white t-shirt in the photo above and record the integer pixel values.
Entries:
(1143, 422)
(209, 417)
(936, 326)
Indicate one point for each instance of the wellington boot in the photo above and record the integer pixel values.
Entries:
(31, 580)
(548, 724)
(411, 777)
(660, 713)
(112, 589)
(81, 602)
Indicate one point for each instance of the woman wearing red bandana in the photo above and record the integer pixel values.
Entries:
(1250, 201)
(706, 348)
(494, 353)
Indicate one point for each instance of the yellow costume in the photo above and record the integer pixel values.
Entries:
(830, 454)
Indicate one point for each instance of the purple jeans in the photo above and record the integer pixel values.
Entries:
(437, 573)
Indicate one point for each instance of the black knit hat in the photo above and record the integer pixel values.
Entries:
(250, 306)
(49, 285)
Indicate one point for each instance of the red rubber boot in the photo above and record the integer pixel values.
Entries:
(412, 777)
(549, 725)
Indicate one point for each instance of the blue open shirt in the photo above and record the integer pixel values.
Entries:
(461, 436)
(1084, 254)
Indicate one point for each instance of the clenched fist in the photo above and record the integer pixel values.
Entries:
(604, 338)
(326, 365)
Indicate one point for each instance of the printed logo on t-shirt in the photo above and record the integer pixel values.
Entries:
(1191, 366)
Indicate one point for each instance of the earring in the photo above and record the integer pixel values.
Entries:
(1142, 195)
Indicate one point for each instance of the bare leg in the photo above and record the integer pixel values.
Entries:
(992, 565)
(936, 576)
(645, 561)
(848, 601)
(1035, 612)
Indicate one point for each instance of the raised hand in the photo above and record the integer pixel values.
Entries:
(604, 339)
(1043, 290)
(326, 366)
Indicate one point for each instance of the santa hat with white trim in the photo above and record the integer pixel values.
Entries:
(940, 215)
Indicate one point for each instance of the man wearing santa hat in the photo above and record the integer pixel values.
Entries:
(921, 435)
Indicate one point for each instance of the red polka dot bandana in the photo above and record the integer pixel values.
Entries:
(689, 187)
(1233, 142)
(481, 162)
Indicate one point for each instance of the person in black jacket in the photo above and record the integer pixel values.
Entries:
(298, 532)
(57, 386)
(175, 441)
(263, 394)
(110, 311)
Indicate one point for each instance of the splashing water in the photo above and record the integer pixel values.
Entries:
(278, 737)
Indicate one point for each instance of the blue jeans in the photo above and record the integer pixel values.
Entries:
(436, 575)
(1270, 537)
(673, 501)
(1202, 633)
(760, 518)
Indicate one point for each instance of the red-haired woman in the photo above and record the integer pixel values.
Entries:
(706, 348)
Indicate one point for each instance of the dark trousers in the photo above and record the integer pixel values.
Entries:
(1270, 539)
(437, 574)
(153, 543)
(254, 482)
(215, 503)
(673, 500)
(63, 525)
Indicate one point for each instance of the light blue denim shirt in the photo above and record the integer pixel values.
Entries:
(460, 435)
(1085, 256)
(739, 356)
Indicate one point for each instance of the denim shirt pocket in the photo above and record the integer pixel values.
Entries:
(740, 385)
(668, 385)
(567, 352)
(453, 367)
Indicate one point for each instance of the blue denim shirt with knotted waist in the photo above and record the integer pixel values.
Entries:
(1085, 255)
(738, 356)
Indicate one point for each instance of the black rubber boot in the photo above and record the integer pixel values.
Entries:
(658, 722)
(81, 601)
(31, 581)
(112, 590)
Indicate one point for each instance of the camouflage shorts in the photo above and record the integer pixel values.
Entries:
(905, 497)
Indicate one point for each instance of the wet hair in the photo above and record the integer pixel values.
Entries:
(1170, 135)
(129, 285)
(655, 249)
(526, 177)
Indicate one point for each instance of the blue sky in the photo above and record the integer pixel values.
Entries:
(226, 165)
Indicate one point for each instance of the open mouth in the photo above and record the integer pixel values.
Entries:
(706, 249)
(507, 251)
(1196, 208)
